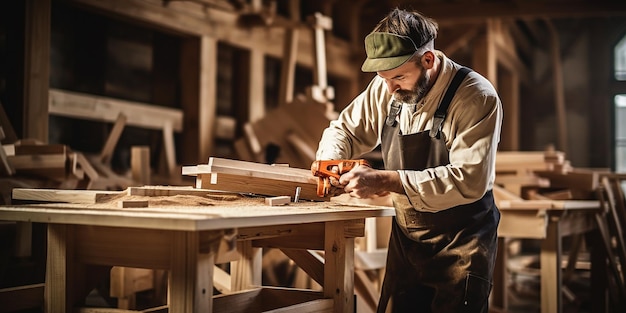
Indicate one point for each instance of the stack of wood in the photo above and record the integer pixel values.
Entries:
(251, 177)
(537, 175)
(58, 166)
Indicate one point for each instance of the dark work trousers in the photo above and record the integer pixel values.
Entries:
(436, 262)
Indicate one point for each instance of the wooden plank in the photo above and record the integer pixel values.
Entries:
(25, 149)
(58, 195)
(252, 169)
(113, 138)
(261, 186)
(91, 107)
(176, 190)
(35, 161)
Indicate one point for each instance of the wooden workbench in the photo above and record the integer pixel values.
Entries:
(548, 221)
(185, 240)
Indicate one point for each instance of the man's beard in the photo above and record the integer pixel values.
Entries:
(416, 93)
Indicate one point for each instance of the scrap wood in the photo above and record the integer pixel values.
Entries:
(278, 200)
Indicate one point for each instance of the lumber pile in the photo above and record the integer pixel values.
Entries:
(543, 175)
(58, 166)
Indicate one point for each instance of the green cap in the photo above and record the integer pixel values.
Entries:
(386, 51)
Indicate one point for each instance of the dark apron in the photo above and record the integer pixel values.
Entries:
(437, 262)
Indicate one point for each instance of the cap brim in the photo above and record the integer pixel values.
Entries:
(384, 64)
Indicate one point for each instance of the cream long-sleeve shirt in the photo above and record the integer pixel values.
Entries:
(471, 130)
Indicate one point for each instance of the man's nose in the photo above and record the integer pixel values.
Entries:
(392, 87)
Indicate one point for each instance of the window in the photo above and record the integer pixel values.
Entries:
(619, 103)
(620, 60)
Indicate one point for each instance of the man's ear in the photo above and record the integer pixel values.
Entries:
(428, 59)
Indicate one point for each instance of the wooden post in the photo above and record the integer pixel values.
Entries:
(36, 69)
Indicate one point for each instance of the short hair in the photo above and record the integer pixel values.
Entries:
(421, 29)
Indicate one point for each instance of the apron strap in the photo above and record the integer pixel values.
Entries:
(442, 110)
(393, 113)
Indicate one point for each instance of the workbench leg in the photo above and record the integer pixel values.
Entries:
(59, 288)
(191, 272)
(339, 267)
(246, 272)
(550, 262)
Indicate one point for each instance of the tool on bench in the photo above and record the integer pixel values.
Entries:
(323, 169)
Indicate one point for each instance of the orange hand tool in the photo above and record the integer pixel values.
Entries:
(323, 169)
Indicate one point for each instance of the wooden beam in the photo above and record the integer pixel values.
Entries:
(185, 19)
(90, 107)
(256, 89)
(36, 69)
(459, 12)
(510, 95)
(112, 139)
(290, 56)
(484, 57)
(461, 40)
(559, 89)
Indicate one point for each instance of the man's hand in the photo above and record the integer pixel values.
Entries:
(366, 182)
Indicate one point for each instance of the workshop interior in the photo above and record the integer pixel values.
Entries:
(161, 155)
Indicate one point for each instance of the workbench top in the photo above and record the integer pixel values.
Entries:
(172, 215)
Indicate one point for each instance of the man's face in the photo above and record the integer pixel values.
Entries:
(408, 82)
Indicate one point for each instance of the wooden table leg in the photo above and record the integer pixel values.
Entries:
(58, 288)
(339, 267)
(191, 272)
(550, 262)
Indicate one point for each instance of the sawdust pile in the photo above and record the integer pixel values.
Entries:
(186, 200)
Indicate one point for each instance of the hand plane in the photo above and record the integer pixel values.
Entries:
(323, 169)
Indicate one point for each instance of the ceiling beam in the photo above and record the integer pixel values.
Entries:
(453, 13)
